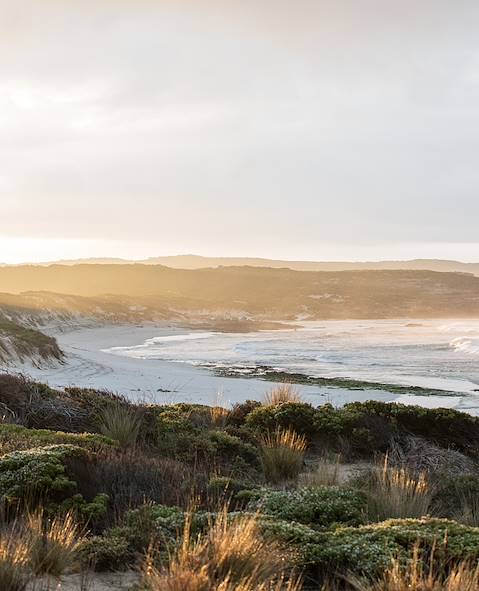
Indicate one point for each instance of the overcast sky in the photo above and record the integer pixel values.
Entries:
(314, 129)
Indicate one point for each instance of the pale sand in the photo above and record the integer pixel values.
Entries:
(86, 582)
(157, 381)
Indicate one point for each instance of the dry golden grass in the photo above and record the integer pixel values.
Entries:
(281, 393)
(231, 556)
(326, 472)
(282, 455)
(394, 493)
(418, 576)
(15, 549)
(218, 414)
(53, 542)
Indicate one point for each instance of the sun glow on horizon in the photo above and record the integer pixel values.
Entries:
(19, 250)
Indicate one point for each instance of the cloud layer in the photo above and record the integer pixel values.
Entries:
(242, 127)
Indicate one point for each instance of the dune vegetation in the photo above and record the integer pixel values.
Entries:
(273, 495)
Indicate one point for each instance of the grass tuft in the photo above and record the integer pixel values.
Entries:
(53, 543)
(230, 556)
(14, 557)
(393, 493)
(326, 472)
(282, 455)
(281, 393)
(121, 423)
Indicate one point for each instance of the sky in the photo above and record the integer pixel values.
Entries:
(314, 129)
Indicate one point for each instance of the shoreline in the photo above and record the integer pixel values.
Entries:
(162, 382)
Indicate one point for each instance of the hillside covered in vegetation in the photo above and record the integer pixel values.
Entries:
(252, 292)
(272, 495)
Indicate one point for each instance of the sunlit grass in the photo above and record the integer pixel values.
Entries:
(218, 414)
(15, 551)
(281, 393)
(53, 542)
(395, 493)
(231, 556)
(420, 575)
(282, 455)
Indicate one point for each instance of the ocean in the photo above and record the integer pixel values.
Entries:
(441, 354)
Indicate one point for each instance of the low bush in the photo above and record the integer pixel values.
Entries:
(296, 416)
(223, 489)
(109, 552)
(39, 473)
(316, 507)
(126, 544)
(16, 438)
(87, 513)
(422, 573)
(446, 427)
(227, 448)
(240, 410)
(367, 550)
(36, 405)
(131, 478)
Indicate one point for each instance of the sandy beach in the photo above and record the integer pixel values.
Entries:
(90, 364)
(153, 380)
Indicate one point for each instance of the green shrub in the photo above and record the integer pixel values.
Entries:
(297, 416)
(443, 426)
(39, 472)
(178, 437)
(86, 512)
(121, 546)
(367, 426)
(228, 447)
(159, 519)
(16, 438)
(108, 552)
(367, 550)
(316, 507)
(240, 411)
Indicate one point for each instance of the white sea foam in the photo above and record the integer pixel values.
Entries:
(466, 345)
(386, 351)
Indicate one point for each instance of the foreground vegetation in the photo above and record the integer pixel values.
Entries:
(272, 495)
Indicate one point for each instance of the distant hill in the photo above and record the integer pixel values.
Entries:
(191, 261)
(249, 292)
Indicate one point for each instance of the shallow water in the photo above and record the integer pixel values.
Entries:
(441, 354)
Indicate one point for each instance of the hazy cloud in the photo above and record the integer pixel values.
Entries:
(241, 126)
